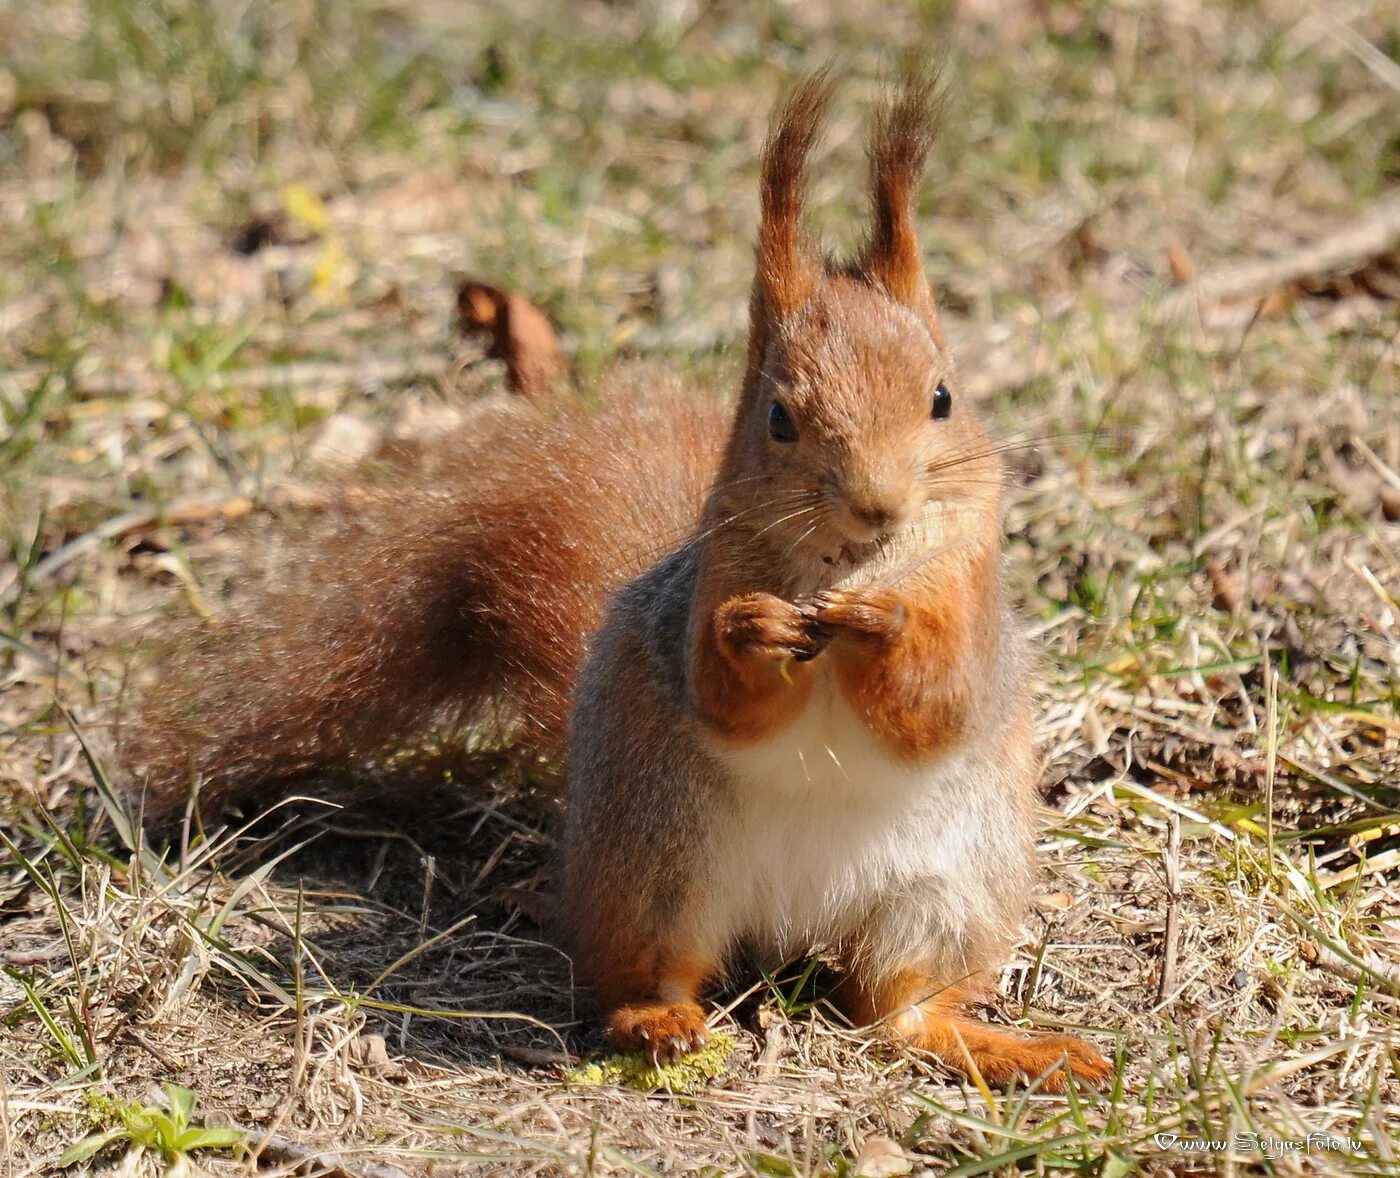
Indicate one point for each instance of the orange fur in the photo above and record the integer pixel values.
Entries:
(749, 671)
(648, 990)
(458, 594)
(906, 658)
(701, 612)
(927, 1014)
(785, 271)
(664, 1030)
(899, 147)
(671, 1027)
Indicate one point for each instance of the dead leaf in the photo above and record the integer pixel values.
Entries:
(1085, 247)
(1181, 264)
(880, 1157)
(521, 336)
(304, 207)
(371, 1053)
(1377, 277)
(343, 441)
(1227, 588)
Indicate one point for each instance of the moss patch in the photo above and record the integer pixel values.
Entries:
(634, 1070)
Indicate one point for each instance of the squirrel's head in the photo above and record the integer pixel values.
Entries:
(851, 422)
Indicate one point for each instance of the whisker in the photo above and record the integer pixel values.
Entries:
(963, 457)
(738, 515)
(794, 515)
(750, 478)
(640, 558)
(910, 568)
(941, 479)
(999, 445)
(801, 539)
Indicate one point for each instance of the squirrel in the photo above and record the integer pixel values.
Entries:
(768, 638)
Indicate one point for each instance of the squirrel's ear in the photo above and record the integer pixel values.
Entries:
(901, 135)
(785, 272)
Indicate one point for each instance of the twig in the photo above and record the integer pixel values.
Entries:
(129, 522)
(535, 1056)
(158, 1053)
(5, 1130)
(274, 1147)
(362, 372)
(367, 371)
(775, 1039)
(22, 957)
(1367, 54)
(1171, 861)
(1330, 961)
(1374, 234)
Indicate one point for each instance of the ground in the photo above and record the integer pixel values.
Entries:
(229, 238)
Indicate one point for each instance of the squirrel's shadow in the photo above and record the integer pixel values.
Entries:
(427, 896)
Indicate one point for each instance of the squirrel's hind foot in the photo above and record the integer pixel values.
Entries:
(916, 1010)
(1002, 1056)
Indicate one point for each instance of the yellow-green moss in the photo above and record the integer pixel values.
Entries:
(634, 1070)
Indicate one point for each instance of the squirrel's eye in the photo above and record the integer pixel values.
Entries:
(942, 403)
(780, 427)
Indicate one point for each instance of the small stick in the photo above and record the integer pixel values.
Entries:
(1325, 958)
(276, 1148)
(775, 1038)
(129, 523)
(271, 1146)
(535, 1056)
(1172, 862)
(22, 957)
(1373, 235)
(361, 372)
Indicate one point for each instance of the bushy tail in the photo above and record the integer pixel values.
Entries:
(461, 598)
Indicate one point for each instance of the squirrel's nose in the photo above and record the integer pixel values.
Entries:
(877, 516)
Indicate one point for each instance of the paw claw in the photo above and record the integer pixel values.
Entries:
(762, 626)
(662, 1031)
(877, 613)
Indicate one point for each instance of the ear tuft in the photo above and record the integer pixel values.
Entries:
(901, 135)
(785, 272)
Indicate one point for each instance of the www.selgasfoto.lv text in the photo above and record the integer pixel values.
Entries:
(1258, 1143)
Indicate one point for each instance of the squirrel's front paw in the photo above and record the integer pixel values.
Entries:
(663, 1031)
(873, 612)
(759, 625)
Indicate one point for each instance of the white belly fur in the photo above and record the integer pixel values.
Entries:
(831, 827)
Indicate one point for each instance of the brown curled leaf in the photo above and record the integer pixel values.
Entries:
(1181, 265)
(521, 336)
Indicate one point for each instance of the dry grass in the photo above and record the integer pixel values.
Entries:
(1205, 535)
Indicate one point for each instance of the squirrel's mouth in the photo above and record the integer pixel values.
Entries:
(853, 553)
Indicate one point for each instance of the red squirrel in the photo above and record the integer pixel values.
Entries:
(769, 639)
